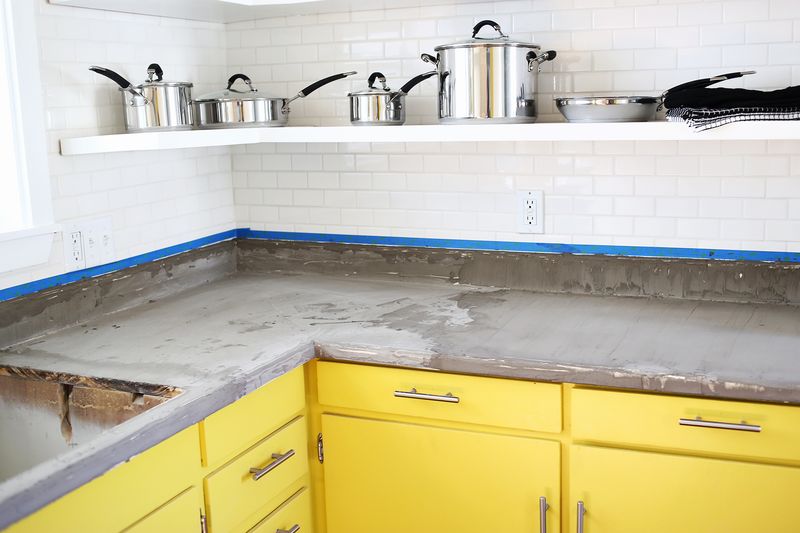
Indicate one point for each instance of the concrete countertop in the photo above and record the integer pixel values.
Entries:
(222, 340)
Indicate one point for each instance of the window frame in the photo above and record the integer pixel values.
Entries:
(30, 245)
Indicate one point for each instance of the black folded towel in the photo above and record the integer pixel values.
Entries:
(706, 119)
(722, 98)
(704, 108)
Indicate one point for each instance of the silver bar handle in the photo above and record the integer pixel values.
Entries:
(581, 512)
(700, 423)
(258, 473)
(543, 507)
(295, 529)
(414, 395)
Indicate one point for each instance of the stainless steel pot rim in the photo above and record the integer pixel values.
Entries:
(373, 92)
(162, 84)
(607, 100)
(487, 43)
(239, 98)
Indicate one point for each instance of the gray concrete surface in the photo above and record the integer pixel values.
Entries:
(221, 340)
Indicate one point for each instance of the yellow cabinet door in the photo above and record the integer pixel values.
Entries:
(627, 491)
(395, 477)
(182, 514)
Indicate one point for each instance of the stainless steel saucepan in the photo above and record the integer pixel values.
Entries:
(381, 106)
(249, 108)
(155, 104)
(488, 79)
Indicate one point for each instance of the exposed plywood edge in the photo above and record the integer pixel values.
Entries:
(648, 131)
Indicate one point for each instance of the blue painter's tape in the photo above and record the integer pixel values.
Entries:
(508, 246)
(69, 277)
(551, 248)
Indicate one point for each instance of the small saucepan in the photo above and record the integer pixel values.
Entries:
(234, 108)
(155, 105)
(380, 106)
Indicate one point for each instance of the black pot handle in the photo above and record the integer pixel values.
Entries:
(495, 26)
(233, 79)
(416, 80)
(429, 59)
(313, 87)
(535, 59)
(705, 82)
(317, 84)
(113, 76)
(155, 68)
(376, 76)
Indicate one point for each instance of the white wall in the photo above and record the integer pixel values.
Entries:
(707, 195)
(156, 199)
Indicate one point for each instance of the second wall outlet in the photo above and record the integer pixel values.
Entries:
(88, 243)
(530, 211)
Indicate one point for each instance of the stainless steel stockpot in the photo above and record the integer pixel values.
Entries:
(248, 108)
(488, 79)
(380, 106)
(155, 104)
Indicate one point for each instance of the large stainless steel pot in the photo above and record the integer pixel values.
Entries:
(155, 104)
(380, 106)
(248, 108)
(488, 79)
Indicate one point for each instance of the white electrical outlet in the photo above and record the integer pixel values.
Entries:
(530, 211)
(88, 243)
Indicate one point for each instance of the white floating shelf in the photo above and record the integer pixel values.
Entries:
(646, 131)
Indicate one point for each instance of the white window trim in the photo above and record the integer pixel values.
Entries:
(31, 245)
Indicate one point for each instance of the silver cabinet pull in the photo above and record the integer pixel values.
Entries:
(258, 473)
(295, 529)
(543, 507)
(413, 394)
(700, 423)
(581, 512)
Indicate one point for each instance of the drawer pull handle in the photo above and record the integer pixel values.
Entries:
(414, 395)
(543, 507)
(295, 529)
(581, 512)
(258, 473)
(700, 423)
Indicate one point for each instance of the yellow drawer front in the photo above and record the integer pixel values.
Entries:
(656, 421)
(180, 515)
(125, 494)
(235, 499)
(238, 426)
(644, 492)
(481, 400)
(295, 512)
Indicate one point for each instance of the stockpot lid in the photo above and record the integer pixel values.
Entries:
(371, 90)
(479, 42)
(155, 76)
(229, 94)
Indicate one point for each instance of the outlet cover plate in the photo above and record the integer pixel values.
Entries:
(530, 211)
(88, 243)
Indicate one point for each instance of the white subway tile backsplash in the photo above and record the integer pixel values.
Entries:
(744, 195)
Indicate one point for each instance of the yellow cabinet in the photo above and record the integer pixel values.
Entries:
(182, 514)
(477, 400)
(627, 491)
(238, 426)
(241, 493)
(294, 514)
(680, 424)
(124, 494)
(397, 477)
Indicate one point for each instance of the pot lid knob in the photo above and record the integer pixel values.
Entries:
(154, 70)
(495, 26)
(377, 76)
